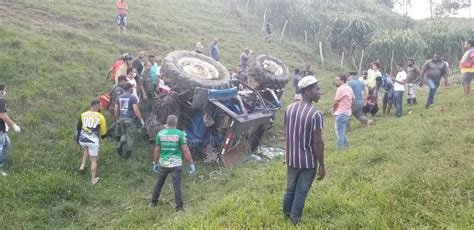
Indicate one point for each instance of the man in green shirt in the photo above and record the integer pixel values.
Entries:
(168, 159)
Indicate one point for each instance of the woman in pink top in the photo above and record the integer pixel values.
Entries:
(122, 11)
(342, 109)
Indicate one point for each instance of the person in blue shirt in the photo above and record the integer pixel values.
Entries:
(387, 84)
(360, 93)
(214, 50)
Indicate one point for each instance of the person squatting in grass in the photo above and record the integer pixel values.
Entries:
(91, 130)
(342, 110)
(5, 120)
(466, 66)
(433, 70)
(170, 147)
(122, 11)
(399, 88)
(413, 76)
(303, 127)
(126, 109)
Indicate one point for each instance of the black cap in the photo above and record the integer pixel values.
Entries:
(122, 78)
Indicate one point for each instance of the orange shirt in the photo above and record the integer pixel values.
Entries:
(122, 7)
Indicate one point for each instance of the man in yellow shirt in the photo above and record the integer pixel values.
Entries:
(91, 130)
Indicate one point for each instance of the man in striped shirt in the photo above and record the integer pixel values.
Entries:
(304, 148)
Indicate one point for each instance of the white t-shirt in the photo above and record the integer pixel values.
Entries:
(401, 76)
(134, 84)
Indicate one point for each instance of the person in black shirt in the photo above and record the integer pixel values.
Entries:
(5, 120)
(138, 63)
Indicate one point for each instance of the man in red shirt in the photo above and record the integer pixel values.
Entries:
(122, 11)
(342, 110)
(113, 70)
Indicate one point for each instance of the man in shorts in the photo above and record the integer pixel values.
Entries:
(467, 67)
(91, 130)
(387, 84)
(122, 11)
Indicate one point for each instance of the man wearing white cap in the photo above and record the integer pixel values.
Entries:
(304, 148)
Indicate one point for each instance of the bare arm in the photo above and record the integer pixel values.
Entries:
(156, 154)
(116, 112)
(187, 154)
(7, 119)
(109, 72)
(318, 148)
(136, 110)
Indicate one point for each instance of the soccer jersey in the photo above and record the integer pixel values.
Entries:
(91, 127)
(170, 141)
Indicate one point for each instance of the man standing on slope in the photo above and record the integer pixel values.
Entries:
(413, 75)
(91, 130)
(122, 11)
(170, 147)
(214, 50)
(126, 108)
(466, 66)
(399, 88)
(4, 120)
(433, 70)
(304, 148)
(342, 110)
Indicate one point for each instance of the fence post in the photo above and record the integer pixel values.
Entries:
(283, 31)
(305, 37)
(342, 61)
(361, 60)
(321, 52)
(264, 19)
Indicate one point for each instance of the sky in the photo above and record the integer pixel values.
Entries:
(420, 9)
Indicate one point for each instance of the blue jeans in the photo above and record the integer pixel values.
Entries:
(341, 123)
(433, 85)
(298, 184)
(4, 147)
(399, 102)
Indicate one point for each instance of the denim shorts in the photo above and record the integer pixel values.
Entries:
(122, 20)
(467, 78)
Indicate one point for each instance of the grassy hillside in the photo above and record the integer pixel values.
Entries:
(416, 171)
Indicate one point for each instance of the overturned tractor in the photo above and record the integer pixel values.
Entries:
(224, 118)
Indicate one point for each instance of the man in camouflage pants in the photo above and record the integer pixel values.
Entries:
(126, 109)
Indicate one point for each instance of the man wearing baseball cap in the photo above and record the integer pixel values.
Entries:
(304, 148)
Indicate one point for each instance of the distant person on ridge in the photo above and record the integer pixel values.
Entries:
(433, 70)
(303, 128)
(296, 80)
(413, 76)
(466, 65)
(199, 48)
(268, 29)
(91, 130)
(244, 60)
(5, 120)
(122, 11)
(214, 50)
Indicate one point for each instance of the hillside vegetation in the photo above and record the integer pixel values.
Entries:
(412, 172)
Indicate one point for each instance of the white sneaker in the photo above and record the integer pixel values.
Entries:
(2, 173)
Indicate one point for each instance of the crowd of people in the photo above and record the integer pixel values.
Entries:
(303, 123)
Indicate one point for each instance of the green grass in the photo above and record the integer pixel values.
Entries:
(413, 172)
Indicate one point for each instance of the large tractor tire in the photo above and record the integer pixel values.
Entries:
(183, 71)
(269, 72)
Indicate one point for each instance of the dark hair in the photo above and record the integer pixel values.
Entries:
(399, 64)
(470, 42)
(411, 59)
(297, 70)
(376, 64)
(95, 102)
(353, 73)
(151, 56)
(127, 86)
(122, 78)
(343, 77)
(129, 70)
(2, 86)
(378, 78)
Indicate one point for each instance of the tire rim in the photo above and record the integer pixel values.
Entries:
(272, 67)
(199, 68)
